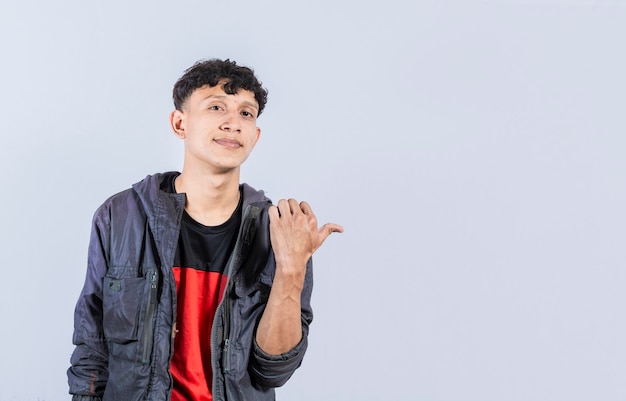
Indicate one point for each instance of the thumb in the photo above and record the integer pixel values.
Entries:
(325, 231)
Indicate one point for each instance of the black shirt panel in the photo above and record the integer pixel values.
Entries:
(206, 248)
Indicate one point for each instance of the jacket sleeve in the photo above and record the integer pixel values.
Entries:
(274, 370)
(88, 374)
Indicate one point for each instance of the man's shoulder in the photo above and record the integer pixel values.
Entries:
(252, 195)
(143, 191)
(154, 182)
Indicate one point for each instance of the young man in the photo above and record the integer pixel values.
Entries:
(197, 287)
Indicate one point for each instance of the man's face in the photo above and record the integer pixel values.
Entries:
(219, 129)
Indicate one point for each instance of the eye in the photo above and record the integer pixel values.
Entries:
(247, 114)
(216, 106)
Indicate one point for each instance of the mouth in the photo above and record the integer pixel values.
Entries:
(228, 143)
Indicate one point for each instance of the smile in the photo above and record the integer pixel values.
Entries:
(228, 143)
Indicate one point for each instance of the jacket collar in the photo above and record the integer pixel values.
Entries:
(150, 191)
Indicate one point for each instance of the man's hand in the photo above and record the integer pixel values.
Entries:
(295, 237)
(294, 232)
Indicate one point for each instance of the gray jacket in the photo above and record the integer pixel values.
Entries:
(124, 318)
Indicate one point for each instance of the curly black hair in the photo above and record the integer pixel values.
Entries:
(211, 72)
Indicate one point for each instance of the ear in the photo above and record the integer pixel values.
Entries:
(258, 135)
(177, 122)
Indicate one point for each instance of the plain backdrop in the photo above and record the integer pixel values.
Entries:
(473, 150)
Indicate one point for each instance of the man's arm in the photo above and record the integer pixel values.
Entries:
(88, 374)
(295, 237)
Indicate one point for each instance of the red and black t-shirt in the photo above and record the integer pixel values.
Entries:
(199, 270)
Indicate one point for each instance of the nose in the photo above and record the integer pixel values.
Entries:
(231, 122)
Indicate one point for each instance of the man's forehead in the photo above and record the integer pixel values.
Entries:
(217, 91)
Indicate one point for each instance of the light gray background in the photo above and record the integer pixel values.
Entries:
(473, 150)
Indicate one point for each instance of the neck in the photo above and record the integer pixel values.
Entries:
(211, 199)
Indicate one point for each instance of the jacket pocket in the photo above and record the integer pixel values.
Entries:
(121, 305)
(129, 306)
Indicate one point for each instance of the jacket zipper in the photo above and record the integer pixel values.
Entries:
(149, 326)
(244, 237)
(226, 356)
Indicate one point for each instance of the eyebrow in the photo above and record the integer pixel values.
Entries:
(244, 102)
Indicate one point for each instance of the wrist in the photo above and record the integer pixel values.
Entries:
(290, 274)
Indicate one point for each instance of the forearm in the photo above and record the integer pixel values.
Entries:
(280, 327)
(88, 373)
(295, 237)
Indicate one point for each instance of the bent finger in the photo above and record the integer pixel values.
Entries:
(273, 212)
(284, 208)
(293, 206)
(306, 208)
